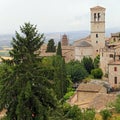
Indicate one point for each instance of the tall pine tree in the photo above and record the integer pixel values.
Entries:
(26, 92)
(59, 49)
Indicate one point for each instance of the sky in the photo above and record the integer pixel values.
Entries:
(55, 15)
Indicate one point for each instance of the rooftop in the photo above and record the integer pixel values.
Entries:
(84, 44)
(97, 8)
(89, 87)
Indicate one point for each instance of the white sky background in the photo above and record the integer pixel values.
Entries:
(55, 15)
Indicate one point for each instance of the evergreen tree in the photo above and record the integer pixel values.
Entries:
(97, 61)
(59, 49)
(51, 46)
(26, 92)
(60, 77)
(88, 64)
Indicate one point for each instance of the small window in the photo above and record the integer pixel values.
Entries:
(111, 55)
(96, 35)
(95, 17)
(96, 41)
(115, 80)
(115, 68)
(96, 50)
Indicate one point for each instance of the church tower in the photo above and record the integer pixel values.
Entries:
(64, 40)
(97, 28)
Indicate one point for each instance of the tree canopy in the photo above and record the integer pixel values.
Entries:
(51, 46)
(25, 92)
(59, 49)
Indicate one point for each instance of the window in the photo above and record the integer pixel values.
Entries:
(96, 50)
(115, 68)
(95, 17)
(96, 35)
(111, 55)
(115, 80)
(98, 16)
(96, 41)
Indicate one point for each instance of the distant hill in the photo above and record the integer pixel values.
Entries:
(5, 40)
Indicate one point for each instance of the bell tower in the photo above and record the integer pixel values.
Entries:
(98, 28)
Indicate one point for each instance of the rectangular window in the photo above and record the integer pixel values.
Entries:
(96, 35)
(115, 80)
(115, 68)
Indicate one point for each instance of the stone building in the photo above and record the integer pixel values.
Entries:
(115, 37)
(114, 73)
(91, 95)
(64, 41)
(67, 50)
(91, 45)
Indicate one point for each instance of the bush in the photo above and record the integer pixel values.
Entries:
(89, 114)
(97, 73)
(117, 104)
(106, 114)
(68, 95)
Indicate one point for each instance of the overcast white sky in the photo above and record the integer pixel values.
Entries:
(55, 15)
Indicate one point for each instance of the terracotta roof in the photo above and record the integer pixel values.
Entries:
(114, 62)
(84, 44)
(89, 87)
(115, 34)
(97, 7)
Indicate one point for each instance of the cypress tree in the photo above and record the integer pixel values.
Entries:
(51, 46)
(60, 77)
(59, 49)
(26, 92)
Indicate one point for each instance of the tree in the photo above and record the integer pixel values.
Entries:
(97, 61)
(89, 114)
(76, 71)
(74, 113)
(26, 93)
(88, 64)
(97, 73)
(60, 78)
(59, 49)
(51, 46)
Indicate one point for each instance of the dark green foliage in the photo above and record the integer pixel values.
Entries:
(74, 113)
(88, 64)
(106, 114)
(117, 104)
(25, 92)
(76, 71)
(89, 114)
(59, 49)
(97, 61)
(60, 78)
(51, 46)
(97, 73)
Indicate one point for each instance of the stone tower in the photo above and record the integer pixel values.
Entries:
(64, 41)
(97, 28)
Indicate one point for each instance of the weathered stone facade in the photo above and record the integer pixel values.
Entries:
(114, 74)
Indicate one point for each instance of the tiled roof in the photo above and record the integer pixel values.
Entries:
(84, 44)
(89, 87)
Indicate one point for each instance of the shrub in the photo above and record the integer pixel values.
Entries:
(97, 73)
(106, 114)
